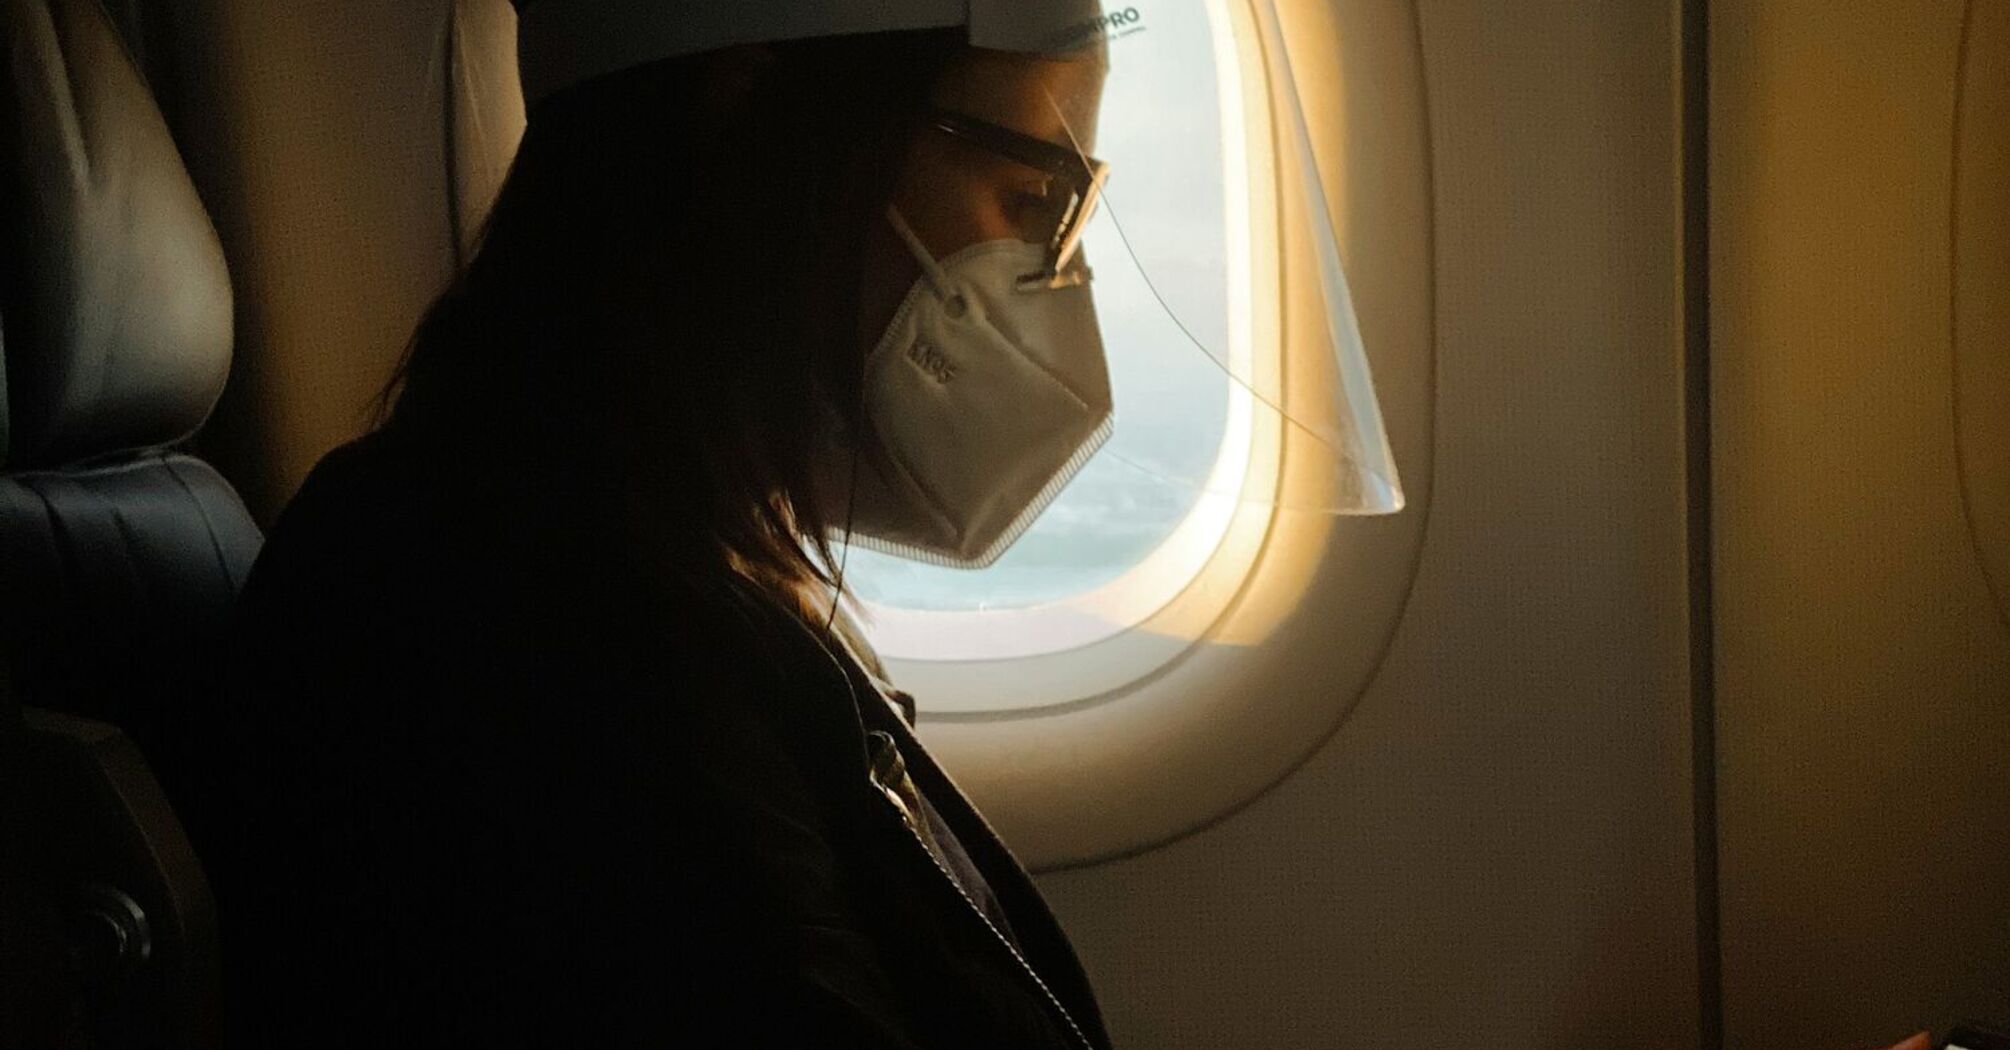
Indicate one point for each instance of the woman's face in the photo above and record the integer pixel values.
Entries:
(954, 193)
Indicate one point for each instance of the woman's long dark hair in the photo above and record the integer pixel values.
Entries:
(662, 308)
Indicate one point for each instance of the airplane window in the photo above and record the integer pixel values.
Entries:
(1118, 537)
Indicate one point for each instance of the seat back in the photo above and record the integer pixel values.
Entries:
(119, 555)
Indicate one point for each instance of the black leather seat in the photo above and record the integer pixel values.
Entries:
(119, 555)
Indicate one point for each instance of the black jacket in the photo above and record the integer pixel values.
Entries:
(483, 779)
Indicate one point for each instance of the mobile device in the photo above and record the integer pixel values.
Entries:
(1971, 1036)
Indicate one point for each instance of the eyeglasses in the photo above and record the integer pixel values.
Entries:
(1060, 217)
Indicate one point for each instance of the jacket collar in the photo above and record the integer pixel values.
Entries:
(1041, 938)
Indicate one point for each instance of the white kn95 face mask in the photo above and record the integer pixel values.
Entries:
(987, 394)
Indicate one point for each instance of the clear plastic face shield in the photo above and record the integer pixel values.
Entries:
(1164, 162)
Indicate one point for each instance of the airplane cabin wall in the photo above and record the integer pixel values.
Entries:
(1861, 392)
(1494, 849)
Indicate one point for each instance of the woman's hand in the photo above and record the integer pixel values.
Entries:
(1922, 1041)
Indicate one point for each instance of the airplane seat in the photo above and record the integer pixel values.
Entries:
(348, 154)
(121, 555)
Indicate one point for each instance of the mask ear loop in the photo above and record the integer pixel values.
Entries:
(850, 505)
(827, 641)
(934, 273)
(938, 278)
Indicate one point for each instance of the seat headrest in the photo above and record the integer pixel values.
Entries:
(114, 299)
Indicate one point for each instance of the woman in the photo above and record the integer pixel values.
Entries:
(545, 729)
